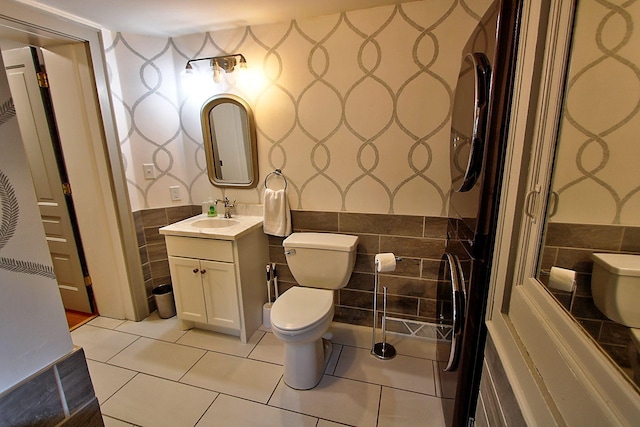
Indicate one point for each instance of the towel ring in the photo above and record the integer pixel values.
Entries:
(277, 172)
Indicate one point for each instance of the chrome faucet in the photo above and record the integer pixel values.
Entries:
(227, 206)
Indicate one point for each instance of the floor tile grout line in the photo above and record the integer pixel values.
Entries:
(399, 354)
(435, 364)
(120, 388)
(122, 349)
(379, 406)
(207, 410)
(382, 385)
(194, 364)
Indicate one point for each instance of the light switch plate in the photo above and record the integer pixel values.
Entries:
(149, 171)
(175, 192)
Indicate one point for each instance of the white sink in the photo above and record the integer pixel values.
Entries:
(215, 223)
(213, 228)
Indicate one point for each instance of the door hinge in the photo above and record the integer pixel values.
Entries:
(87, 280)
(66, 189)
(43, 80)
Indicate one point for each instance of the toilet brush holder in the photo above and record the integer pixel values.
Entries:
(266, 315)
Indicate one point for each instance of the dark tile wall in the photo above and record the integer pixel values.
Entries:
(151, 244)
(570, 246)
(414, 290)
(37, 400)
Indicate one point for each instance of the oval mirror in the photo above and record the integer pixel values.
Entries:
(230, 145)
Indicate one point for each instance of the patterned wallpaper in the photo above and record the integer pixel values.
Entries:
(353, 107)
(596, 174)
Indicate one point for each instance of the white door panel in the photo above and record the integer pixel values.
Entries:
(40, 151)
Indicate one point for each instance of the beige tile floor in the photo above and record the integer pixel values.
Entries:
(152, 374)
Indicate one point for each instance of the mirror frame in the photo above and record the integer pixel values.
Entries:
(211, 151)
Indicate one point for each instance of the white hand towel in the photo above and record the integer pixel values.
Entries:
(277, 217)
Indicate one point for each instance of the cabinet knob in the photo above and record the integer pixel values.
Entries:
(203, 271)
(195, 270)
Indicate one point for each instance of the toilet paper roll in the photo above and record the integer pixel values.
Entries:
(562, 279)
(385, 262)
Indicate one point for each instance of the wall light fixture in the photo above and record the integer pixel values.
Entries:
(217, 64)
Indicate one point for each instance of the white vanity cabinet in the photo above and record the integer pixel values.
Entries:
(218, 280)
(206, 292)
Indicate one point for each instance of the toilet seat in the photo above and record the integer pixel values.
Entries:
(301, 308)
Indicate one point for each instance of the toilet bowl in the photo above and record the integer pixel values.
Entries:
(615, 286)
(320, 263)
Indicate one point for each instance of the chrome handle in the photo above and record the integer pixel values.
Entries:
(458, 309)
(530, 203)
(554, 198)
(291, 252)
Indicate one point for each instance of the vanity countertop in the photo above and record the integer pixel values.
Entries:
(202, 226)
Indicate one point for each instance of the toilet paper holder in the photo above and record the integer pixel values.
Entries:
(381, 350)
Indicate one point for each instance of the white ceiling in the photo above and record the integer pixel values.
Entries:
(179, 17)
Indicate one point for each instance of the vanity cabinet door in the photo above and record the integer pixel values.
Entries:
(221, 295)
(186, 276)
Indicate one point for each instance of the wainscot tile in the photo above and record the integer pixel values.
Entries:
(592, 327)
(409, 286)
(154, 217)
(605, 237)
(614, 333)
(575, 259)
(410, 247)
(353, 316)
(619, 353)
(394, 225)
(631, 239)
(152, 235)
(314, 221)
(159, 268)
(361, 282)
(75, 379)
(432, 269)
(435, 227)
(178, 213)
(351, 298)
(35, 402)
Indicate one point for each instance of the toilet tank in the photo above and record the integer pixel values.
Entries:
(615, 286)
(321, 260)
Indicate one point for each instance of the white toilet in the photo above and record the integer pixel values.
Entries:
(320, 263)
(615, 286)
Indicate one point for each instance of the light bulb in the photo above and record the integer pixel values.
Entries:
(217, 76)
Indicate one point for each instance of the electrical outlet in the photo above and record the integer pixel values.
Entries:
(175, 192)
(149, 171)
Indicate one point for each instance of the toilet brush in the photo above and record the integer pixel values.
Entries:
(269, 283)
(274, 273)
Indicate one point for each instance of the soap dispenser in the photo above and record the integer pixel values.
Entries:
(209, 208)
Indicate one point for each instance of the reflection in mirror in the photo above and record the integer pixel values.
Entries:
(230, 142)
(595, 196)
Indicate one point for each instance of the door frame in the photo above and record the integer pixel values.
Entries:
(119, 290)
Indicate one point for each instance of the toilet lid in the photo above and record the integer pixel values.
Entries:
(299, 308)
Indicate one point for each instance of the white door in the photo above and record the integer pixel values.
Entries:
(45, 172)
